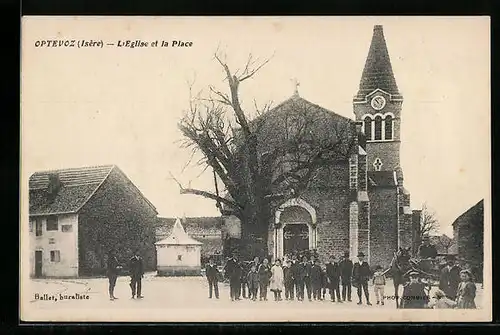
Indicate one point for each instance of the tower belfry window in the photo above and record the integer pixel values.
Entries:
(368, 128)
(388, 127)
(378, 128)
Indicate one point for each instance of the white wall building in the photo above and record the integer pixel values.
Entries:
(178, 254)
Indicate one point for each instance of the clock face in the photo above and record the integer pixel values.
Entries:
(378, 102)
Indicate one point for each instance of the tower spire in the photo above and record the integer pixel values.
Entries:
(377, 72)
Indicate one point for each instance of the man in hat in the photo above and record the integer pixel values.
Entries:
(233, 271)
(113, 269)
(361, 273)
(345, 276)
(212, 274)
(136, 273)
(426, 250)
(449, 279)
(414, 296)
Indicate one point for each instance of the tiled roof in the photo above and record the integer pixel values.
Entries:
(381, 178)
(76, 188)
(377, 72)
(298, 104)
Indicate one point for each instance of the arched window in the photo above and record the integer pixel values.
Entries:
(378, 128)
(368, 128)
(388, 127)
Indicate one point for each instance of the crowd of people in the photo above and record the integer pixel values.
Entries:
(300, 277)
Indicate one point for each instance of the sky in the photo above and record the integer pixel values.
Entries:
(96, 106)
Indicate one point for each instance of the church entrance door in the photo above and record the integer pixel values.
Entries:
(295, 237)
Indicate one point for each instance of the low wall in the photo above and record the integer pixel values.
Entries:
(179, 271)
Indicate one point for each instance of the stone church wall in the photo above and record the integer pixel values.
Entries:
(383, 225)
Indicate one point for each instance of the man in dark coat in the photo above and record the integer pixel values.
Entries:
(233, 270)
(361, 273)
(333, 274)
(346, 276)
(316, 277)
(299, 275)
(307, 279)
(212, 274)
(414, 295)
(113, 269)
(454, 280)
(288, 280)
(449, 280)
(426, 249)
(136, 273)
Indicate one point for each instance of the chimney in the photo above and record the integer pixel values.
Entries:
(54, 186)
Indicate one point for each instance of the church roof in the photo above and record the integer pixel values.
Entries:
(295, 104)
(381, 178)
(377, 73)
(178, 236)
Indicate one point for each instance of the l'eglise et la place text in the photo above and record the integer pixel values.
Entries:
(157, 43)
(60, 297)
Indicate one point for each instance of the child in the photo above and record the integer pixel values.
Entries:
(253, 282)
(414, 295)
(466, 291)
(288, 281)
(379, 284)
(277, 279)
(441, 301)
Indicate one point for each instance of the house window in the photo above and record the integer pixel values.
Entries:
(378, 128)
(52, 223)
(31, 226)
(179, 257)
(388, 127)
(368, 128)
(67, 228)
(38, 227)
(55, 256)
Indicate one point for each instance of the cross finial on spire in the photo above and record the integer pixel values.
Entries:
(296, 83)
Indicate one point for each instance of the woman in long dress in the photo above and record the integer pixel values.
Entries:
(466, 291)
(277, 279)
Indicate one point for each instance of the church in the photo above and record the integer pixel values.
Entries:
(361, 204)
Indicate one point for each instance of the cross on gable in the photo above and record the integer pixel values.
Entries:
(296, 84)
(377, 164)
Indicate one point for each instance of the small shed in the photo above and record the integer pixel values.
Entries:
(178, 254)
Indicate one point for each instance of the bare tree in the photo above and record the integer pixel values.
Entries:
(428, 224)
(261, 161)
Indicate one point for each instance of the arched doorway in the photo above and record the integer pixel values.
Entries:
(295, 228)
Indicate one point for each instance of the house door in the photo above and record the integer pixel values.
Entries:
(38, 264)
(295, 237)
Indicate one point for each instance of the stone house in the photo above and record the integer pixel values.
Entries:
(77, 215)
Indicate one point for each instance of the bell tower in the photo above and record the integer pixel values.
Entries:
(378, 105)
